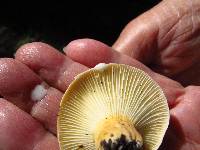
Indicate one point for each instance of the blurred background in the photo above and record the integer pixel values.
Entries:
(59, 23)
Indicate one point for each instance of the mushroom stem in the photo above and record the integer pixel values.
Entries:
(117, 134)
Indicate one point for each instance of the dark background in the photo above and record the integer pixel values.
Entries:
(59, 23)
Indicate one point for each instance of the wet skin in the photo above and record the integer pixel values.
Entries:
(166, 39)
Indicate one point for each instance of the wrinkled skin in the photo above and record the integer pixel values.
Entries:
(166, 39)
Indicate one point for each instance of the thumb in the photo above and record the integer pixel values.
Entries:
(162, 35)
(138, 38)
(166, 38)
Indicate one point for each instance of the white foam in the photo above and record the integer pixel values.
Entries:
(38, 92)
(2, 115)
(100, 66)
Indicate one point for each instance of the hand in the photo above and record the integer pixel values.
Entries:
(32, 86)
(31, 124)
(183, 132)
(167, 39)
(28, 119)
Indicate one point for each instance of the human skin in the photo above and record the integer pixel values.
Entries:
(27, 124)
(167, 39)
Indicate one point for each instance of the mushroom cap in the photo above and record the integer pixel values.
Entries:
(112, 90)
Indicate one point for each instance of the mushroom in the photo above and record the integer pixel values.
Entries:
(113, 107)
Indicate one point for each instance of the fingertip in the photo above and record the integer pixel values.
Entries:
(79, 43)
(29, 48)
(88, 52)
(35, 54)
(27, 52)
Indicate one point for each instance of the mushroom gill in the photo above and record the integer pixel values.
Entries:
(112, 107)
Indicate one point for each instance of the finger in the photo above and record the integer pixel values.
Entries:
(20, 131)
(184, 121)
(171, 88)
(187, 110)
(158, 29)
(54, 68)
(97, 52)
(80, 50)
(51, 65)
(17, 82)
(25, 89)
(46, 109)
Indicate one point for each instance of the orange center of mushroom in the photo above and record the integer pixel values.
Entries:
(117, 133)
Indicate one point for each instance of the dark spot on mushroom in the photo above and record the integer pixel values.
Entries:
(94, 91)
(101, 82)
(80, 146)
(111, 135)
(86, 134)
(121, 143)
